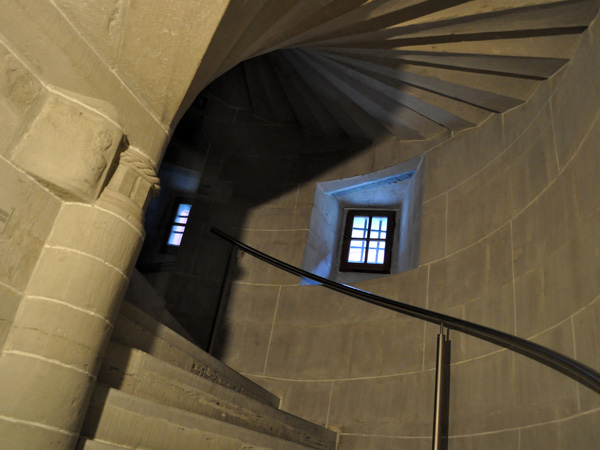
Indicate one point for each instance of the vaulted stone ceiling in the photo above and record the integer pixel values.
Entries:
(410, 68)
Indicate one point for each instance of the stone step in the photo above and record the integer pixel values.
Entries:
(90, 444)
(137, 330)
(268, 98)
(385, 106)
(351, 117)
(121, 419)
(465, 93)
(472, 25)
(142, 375)
(309, 110)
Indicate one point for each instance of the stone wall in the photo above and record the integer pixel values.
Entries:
(509, 239)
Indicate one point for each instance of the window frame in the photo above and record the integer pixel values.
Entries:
(344, 265)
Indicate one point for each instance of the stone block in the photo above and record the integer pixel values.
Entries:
(306, 399)
(586, 324)
(379, 405)
(472, 273)
(575, 100)
(531, 171)
(101, 23)
(59, 333)
(502, 439)
(22, 94)
(433, 229)
(252, 303)
(8, 309)
(584, 169)
(182, 31)
(311, 352)
(49, 387)
(481, 394)
(407, 287)
(244, 346)
(302, 306)
(518, 120)
(369, 442)
(544, 226)
(577, 433)
(286, 245)
(386, 347)
(96, 232)
(451, 163)
(79, 280)
(68, 148)
(485, 200)
(31, 210)
(25, 436)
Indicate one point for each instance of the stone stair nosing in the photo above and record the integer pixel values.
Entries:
(120, 419)
(90, 444)
(268, 99)
(137, 373)
(530, 20)
(378, 107)
(483, 99)
(405, 122)
(309, 110)
(351, 118)
(421, 104)
(136, 329)
(532, 66)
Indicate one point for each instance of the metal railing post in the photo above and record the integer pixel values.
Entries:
(442, 385)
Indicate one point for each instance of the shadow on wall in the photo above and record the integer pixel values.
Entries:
(251, 163)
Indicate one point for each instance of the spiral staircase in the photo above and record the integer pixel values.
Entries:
(375, 69)
(409, 69)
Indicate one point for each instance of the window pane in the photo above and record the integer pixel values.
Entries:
(376, 254)
(360, 226)
(356, 254)
(183, 211)
(378, 227)
(175, 237)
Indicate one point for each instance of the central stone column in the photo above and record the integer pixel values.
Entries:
(55, 347)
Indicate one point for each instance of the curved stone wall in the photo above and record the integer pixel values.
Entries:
(510, 239)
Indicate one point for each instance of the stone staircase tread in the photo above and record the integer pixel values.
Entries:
(137, 373)
(89, 444)
(136, 329)
(122, 419)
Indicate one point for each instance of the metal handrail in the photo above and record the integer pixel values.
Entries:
(568, 366)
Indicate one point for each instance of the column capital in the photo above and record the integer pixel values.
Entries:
(131, 186)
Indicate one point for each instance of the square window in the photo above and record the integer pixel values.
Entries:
(367, 241)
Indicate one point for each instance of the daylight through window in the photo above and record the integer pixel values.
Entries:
(367, 241)
(178, 226)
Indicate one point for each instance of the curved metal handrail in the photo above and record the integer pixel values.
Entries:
(568, 366)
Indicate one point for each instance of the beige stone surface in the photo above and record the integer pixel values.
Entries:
(82, 227)
(78, 279)
(60, 333)
(68, 148)
(8, 309)
(511, 218)
(35, 374)
(24, 436)
(33, 212)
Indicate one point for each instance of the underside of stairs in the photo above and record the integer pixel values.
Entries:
(156, 390)
(413, 69)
